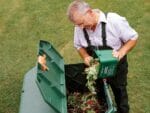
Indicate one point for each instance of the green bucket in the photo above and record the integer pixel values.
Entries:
(108, 63)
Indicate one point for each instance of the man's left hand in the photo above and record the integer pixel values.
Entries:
(118, 54)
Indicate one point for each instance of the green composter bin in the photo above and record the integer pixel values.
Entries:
(48, 93)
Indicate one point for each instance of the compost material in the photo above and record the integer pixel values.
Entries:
(87, 102)
(84, 103)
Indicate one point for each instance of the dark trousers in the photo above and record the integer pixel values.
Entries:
(76, 80)
(118, 85)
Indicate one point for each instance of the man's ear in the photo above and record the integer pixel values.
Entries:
(90, 12)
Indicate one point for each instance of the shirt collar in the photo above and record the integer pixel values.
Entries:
(102, 17)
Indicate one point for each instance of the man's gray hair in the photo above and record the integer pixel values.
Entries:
(77, 6)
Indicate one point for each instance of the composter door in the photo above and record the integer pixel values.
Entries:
(52, 82)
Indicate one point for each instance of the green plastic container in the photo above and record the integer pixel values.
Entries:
(52, 82)
(108, 63)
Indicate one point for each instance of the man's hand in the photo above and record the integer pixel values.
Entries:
(118, 54)
(128, 46)
(85, 56)
(42, 61)
(87, 60)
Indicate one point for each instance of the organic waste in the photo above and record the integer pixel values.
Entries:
(87, 102)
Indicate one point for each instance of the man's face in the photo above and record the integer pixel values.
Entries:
(86, 20)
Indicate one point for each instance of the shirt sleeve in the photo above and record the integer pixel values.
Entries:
(126, 31)
(77, 36)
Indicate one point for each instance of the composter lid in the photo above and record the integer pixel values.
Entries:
(52, 82)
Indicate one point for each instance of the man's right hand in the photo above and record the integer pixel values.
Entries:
(87, 60)
(85, 56)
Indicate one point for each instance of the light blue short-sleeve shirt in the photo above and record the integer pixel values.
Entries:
(118, 32)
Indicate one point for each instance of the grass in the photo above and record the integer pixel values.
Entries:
(24, 23)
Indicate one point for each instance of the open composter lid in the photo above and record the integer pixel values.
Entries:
(52, 82)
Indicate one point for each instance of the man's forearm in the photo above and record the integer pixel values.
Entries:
(128, 46)
(124, 49)
(83, 53)
(85, 56)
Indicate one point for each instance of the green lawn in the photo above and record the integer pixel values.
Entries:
(24, 22)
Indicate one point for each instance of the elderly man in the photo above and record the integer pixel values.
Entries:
(97, 30)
